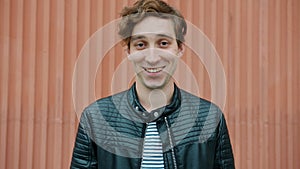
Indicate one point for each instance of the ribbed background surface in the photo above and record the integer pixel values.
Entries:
(258, 42)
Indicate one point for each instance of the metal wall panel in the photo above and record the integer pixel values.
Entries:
(257, 40)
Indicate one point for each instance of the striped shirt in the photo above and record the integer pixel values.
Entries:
(153, 153)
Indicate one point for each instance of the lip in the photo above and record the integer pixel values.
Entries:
(154, 70)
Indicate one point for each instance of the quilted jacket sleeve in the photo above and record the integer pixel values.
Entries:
(84, 151)
(224, 156)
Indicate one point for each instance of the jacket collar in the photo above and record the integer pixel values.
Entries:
(156, 114)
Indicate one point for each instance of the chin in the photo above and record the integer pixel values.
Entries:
(153, 85)
(156, 84)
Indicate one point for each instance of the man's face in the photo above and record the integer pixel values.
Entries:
(154, 52)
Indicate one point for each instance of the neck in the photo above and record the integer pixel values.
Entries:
(152, 99)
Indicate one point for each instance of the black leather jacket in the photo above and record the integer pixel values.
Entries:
(193, 132)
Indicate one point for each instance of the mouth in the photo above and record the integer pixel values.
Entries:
(154, 70)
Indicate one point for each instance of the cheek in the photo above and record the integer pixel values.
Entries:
(173, 63)
(136, 66)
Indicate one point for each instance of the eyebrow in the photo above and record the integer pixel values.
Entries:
(136, 37)
(165, 36)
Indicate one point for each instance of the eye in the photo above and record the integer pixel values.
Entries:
(164, 43)
(140, 45)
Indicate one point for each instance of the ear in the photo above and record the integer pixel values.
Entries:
(127, 51)
(181, 50)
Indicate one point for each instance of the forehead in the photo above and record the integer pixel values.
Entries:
(154, 25)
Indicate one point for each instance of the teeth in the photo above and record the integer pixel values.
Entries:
(153, 70)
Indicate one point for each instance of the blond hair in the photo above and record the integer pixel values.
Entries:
(143, 8)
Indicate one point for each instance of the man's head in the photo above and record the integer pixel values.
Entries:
(144, 8)
(154, 34)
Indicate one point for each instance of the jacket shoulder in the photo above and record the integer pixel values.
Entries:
(105, 103)
(203, 104)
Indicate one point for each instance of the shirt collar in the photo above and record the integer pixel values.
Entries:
(157, 113)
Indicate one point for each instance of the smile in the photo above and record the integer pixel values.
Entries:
(154, 70)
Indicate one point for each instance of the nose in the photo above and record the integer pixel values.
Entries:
(152, 57)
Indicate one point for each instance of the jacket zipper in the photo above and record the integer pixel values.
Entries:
(171, 143)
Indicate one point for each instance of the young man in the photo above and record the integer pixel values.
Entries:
(154, 124)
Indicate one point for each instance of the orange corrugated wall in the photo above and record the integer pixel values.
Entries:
(258, 42)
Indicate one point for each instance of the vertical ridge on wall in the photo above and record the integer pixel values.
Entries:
(40, 42)
(249, 79)
(15, 81)
(69, 116)
(28, 83)
(263, 90)
(290, 88)
(55, 92)
(42, 68)
(271, 92)
(277, 70)
(236, 53)
(4, 77)
(242, 77)
(283, 139)
(293, 70)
